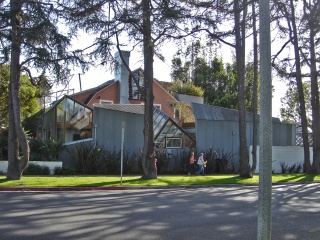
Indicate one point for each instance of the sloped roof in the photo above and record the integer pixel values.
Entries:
(213, 113)
(129, 108)
(86, 95)
(55, 103)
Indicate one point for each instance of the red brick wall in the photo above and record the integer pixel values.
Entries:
(161, 97)
(164, 98)
(108, 93)
(83, 96)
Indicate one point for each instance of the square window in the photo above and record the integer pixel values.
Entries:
(173, 142)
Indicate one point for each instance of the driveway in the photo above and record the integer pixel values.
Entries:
(175, 213)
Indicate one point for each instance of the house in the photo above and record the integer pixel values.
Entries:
(100, 114)
(78, 116)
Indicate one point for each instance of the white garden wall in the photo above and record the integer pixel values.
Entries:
(288, 155)
(52, 165)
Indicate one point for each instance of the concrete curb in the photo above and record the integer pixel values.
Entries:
(51, 189)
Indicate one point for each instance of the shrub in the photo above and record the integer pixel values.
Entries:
(4, 145)
(63, 171)
(284, 167)
(112, 161)
(36, 149)
(44, 150)
(219, 161)
(162, 162)
(295, 168)
(186, 88)
(128, 161)
(87, 159)
(52, 148)
(181, 160)
(35, 169)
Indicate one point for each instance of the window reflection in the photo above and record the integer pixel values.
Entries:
(73, 121)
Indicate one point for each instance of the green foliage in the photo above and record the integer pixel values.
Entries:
(295, 168)
(217, 80)
(219, 84)
(179, 72)
(179, 87)
(290, 106)
(219, 161)
(28, 95)
(249, 79)
(32, 123)
(4, 145)
(183, 159)
(87, 159)
(163, 162)
(98, 160)
(112, 161)
(35, 169)
(45, 150)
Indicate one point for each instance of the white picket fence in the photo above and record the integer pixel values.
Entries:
(287, 155)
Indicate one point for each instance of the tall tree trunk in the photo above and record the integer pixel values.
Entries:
(314, 96)
(148, 158)
(255, 91)
(302, 104)
(13, 172)
(240, 56)
(16, 136)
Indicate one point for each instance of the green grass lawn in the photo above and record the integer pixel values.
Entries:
(168, 180)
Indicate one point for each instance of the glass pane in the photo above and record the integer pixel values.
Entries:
(167, 128)
(172, 131)
(78, 121)
(156, 119)
(178, 133)
(159, 126)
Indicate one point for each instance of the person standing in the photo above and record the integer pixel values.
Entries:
(201, 165)
(192, 166)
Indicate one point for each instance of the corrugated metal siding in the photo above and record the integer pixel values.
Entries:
(108, 123)
(213, 113)
(219, 128)
(219, 135)
(129, 108)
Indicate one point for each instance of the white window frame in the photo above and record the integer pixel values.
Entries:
(157, 105)
(103, 101)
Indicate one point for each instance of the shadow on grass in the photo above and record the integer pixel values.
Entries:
(3, 180)
(137, 181)
(301, 178)
(169, 181)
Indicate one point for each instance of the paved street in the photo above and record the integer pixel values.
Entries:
(146, 214)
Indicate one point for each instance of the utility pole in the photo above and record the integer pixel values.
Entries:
(265, 128)
(80, 82)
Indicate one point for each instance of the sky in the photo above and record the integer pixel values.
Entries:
(99, 75)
